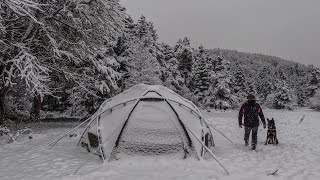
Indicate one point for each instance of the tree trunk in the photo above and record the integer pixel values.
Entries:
(3, 93)
(2, 109)
(122, 84)
(35, 112)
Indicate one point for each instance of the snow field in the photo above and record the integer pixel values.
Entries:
(297, 156)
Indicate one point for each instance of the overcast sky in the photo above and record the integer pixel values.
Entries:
(284, 28)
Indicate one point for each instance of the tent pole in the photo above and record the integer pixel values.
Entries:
(211, 125)
(210, 152)
(99, 148)
(137, 102)
(53, 143)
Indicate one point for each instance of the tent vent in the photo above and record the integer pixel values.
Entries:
(93, 139)
(152, 99)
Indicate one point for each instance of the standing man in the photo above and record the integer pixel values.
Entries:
(251, 110)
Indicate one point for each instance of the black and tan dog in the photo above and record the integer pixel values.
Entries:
(271, 133)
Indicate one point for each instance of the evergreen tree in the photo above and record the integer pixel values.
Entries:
(265, 83)
(222, 84)
(201, 76)
(185, 56)
(240, 82)
(301, 94)
(314, 81)
(283, 96)
(142, 57)
(315, 100)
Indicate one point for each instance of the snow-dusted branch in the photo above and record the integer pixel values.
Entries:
(34, 73)
(23, 8)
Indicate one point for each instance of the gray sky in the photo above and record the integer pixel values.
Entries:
(284, 28)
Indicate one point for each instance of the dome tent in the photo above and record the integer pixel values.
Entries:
(149, 119)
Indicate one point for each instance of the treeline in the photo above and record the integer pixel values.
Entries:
(68, 56)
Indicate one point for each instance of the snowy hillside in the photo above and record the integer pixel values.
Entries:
(296, 157)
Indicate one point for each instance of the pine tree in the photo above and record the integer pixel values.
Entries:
(142, 27)
(264, 83)
(240, 82)
(283, 96)
(301, 95)
(315, 100)
(142, 58)
(222, 84)
(185, 56)
(314, 81)
(201, 76)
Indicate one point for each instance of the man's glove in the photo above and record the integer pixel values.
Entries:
(264, 126)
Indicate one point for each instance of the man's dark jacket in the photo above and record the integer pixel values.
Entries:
(251, 110)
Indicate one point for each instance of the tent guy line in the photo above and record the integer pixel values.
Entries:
(211, 125)
(99, 148)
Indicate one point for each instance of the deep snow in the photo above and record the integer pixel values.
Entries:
(296, 157)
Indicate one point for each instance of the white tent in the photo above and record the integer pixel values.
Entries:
(147, 119)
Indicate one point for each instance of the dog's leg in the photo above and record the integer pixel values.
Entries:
(266, 140)
(277, 142)
(269, 140)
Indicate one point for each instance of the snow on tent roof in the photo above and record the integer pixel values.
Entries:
(148, 120)
(136, 91)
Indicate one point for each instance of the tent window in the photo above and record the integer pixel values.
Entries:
(93, 139)
(152, 99)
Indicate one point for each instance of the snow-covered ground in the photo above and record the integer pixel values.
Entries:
(297, 156)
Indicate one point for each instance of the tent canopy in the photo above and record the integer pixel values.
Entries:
(146, 119)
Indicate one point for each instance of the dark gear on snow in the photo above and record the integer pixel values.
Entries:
(251, 97)
(254, 134)
(251, 111)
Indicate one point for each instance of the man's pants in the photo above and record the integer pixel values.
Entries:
(254, 134)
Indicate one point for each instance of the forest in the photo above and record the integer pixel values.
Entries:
(66, 57)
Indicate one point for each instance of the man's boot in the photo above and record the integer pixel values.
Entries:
(253, 147)
(246, 142)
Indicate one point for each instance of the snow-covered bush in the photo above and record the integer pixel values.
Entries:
(4, 130)
(14, 136)
(315, 101)
(283, 98)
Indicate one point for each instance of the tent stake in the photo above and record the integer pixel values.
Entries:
(211, 125)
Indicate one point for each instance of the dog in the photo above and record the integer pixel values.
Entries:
(271, 133)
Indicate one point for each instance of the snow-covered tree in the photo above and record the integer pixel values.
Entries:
(315, 100)
(18, 34)
(283, 97)
(301, 94)
(240, 84)
(314, 81)
(185, 56)
(201, 77)
(222, 84)
(63, 37)
(265, 83)
(140, 58)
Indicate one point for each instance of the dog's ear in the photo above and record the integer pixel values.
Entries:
(272, 119)
(268, 119)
